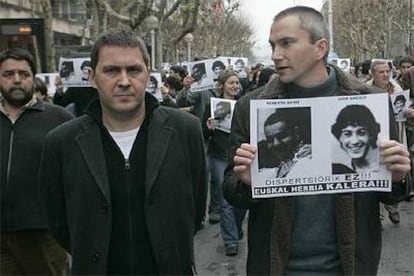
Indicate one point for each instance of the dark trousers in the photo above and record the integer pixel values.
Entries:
(32, 252)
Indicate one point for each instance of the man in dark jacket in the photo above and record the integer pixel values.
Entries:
(330, 234)
(126, 183)
(26, 246)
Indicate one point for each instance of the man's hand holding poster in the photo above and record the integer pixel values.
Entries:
(319, 145)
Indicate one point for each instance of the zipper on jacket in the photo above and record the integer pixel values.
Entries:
(127, 165)
(131, 236)
(10, 156)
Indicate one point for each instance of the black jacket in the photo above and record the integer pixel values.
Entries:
(75, 178)
(20, 153)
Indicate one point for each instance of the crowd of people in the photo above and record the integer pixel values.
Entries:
(119, 180)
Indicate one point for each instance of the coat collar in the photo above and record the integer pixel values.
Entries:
(158, 141)
(90, 143)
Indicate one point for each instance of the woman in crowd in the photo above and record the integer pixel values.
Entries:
(220, 210)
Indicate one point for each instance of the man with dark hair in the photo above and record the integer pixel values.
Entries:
(287, 133)
(26, 246)
(311, 234)
(178, 71)
(126, 183)
(404, 64)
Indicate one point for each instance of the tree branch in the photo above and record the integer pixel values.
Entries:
(122, 18)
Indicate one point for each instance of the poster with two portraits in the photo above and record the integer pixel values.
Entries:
(319, 145)
(74, 71)
(205, 72)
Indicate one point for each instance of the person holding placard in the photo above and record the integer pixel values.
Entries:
(311, 234)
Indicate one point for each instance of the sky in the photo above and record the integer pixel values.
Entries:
(260, 14)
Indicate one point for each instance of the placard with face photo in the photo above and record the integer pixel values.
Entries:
(222, 113)
(400, 102)
(198, 70)
(205, 72)
(217, 66)
(239, 65)
(292, 137)
(343, 63)
(74, 71)
(154, 85)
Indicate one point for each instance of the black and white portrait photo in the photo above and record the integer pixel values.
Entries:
(400, 103)
(152, 85)
(217, 67)
(66, 70)
(222, 112)
(356, 131)
(198, 72)
(85, 68)
(239, 66)
(287, 140)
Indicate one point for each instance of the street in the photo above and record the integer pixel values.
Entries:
(397, 251)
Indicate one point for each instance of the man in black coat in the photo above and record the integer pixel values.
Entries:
(26, 246)
(126, 183)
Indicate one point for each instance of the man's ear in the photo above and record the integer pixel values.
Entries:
(91, 77)
(322, 47)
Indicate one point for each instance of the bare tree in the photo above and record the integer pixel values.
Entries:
(43, 9)
(225, 33)
(366, 29)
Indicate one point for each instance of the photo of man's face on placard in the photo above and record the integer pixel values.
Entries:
(198, 72)
(152, 85)
(287, 138)
(222, 111)
(66, 70)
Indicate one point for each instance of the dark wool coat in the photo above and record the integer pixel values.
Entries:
(78, 194)
(358, 227)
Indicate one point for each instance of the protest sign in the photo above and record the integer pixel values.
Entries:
(317, 145)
